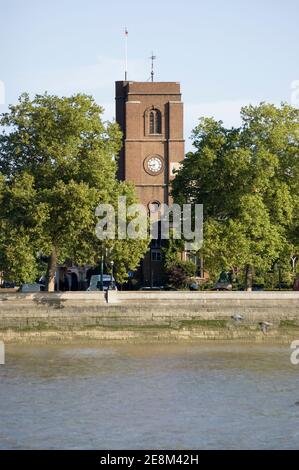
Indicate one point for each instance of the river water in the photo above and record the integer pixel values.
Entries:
(209, 396)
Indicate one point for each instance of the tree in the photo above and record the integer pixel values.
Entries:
(248, 181)
(57, 164)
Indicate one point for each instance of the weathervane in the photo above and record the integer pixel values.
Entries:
(153, 57)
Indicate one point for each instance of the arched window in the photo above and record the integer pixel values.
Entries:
(155, 122)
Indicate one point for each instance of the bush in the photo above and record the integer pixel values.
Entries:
(180, 273)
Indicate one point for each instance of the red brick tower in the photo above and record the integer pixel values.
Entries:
(150, 115)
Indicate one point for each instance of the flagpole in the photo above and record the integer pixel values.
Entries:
(126, 54)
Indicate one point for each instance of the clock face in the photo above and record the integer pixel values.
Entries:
(154, 164)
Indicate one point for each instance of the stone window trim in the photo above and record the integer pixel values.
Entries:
(153, 207)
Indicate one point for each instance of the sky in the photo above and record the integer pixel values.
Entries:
(226, 54)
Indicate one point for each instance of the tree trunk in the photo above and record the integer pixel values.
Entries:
(248, 277)
(50, 286)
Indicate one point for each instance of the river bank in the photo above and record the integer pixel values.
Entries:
(149, 317)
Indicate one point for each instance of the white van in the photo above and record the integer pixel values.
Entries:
(108, 283)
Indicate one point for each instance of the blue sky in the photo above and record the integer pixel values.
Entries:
(225, 53)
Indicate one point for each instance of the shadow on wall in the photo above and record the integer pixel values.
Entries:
(56, 303)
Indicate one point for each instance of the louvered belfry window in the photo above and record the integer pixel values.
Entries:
(155, 125)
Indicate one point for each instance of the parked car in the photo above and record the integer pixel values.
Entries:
(108, 283)
(34, 287)
(194, 286)
(258, 287)
(8, 285)
(224, 282)
(147, 289)
(223, 286)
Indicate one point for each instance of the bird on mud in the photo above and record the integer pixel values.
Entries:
(265, 326)
(237, 318)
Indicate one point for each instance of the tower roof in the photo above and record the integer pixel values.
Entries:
(147, 88)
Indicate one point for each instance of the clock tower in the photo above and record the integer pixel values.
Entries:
(150, 115)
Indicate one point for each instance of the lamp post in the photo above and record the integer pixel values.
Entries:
(112, 281)
(102, 272)
(279, 275)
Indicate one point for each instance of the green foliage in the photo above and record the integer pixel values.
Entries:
(172, 250)
(180, 273)
(248, 181)
(57, 164)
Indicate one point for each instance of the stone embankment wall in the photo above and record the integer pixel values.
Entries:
(149, 316)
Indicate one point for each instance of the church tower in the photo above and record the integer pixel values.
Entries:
(150, 115)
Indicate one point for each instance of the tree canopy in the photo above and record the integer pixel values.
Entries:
(57, 164)
(247, 178)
